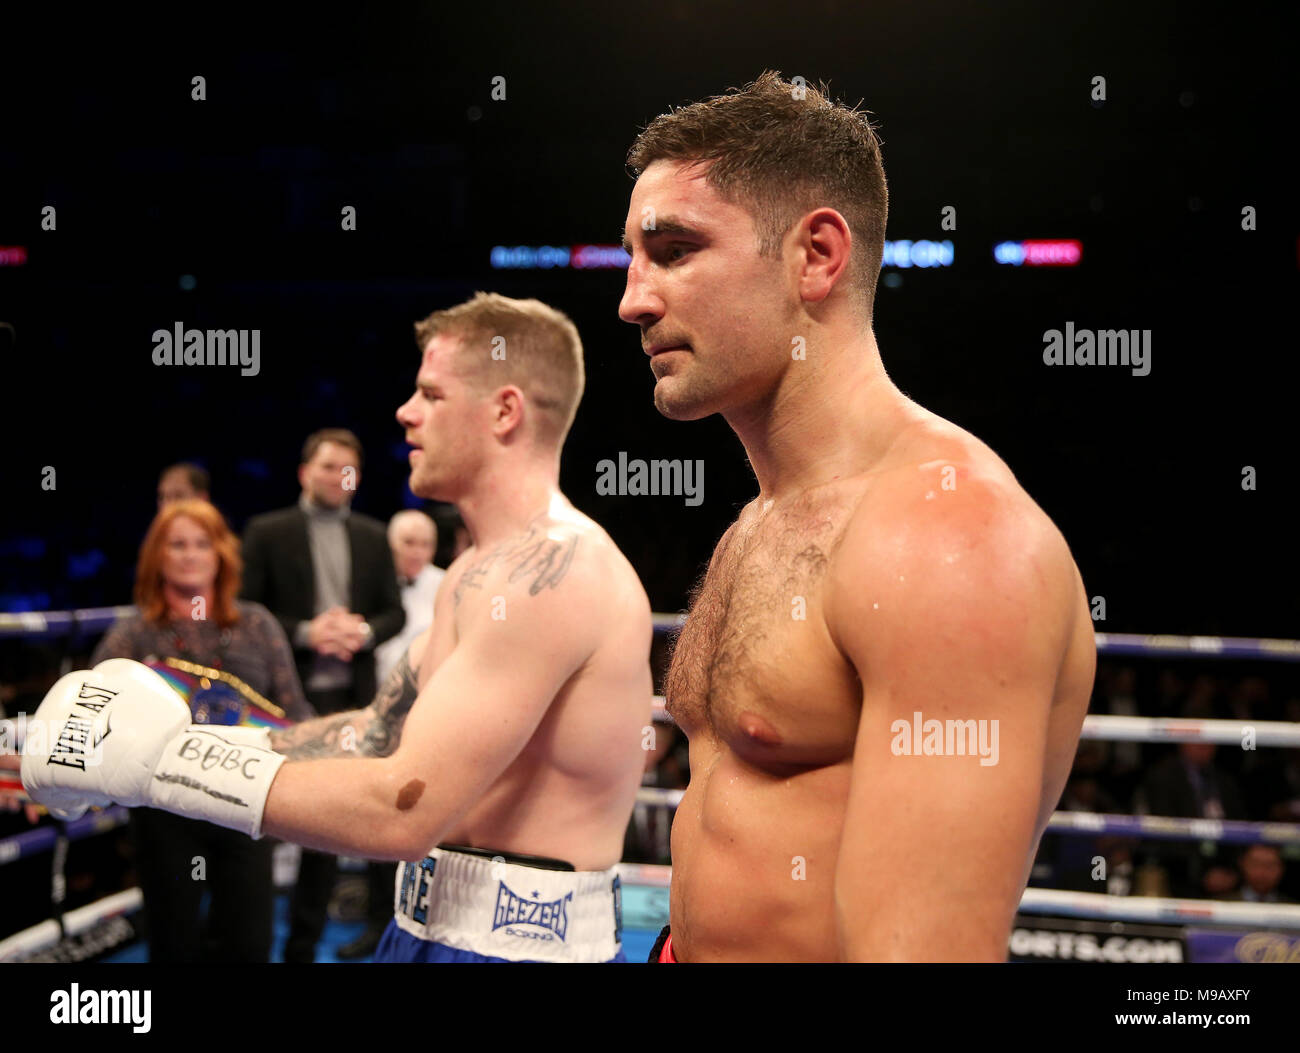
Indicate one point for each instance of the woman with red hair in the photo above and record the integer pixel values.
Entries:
(230, 658)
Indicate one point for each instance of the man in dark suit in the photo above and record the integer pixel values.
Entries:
(327, 574)
(1261, 868)
(1189, 785)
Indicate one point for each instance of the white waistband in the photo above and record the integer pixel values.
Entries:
(507, 910)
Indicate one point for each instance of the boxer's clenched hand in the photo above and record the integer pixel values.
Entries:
(119, 733)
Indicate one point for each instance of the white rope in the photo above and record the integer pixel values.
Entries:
(1165, 729)
(126, 902)
(1160, 909)
(649, 874)
(1153, 729)
(1156, 826)
(1088, 904)
(41, 935)
(46, 933)
(659, 795)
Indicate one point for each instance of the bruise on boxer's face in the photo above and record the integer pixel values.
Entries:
(409, 794)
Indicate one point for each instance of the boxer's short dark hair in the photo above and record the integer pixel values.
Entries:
(780, 151)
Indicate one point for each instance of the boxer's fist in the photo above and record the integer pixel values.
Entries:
(105, 730)
(119, 733)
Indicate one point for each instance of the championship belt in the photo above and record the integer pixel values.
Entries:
(217, 697)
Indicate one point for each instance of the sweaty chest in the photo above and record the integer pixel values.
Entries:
(755, 665)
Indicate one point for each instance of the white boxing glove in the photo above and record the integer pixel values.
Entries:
(119, 733)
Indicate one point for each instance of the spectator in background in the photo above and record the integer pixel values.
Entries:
(1126, 767)
(327, 574)
(183, 482)
(1204, 699)
(1189, 785)
(186, 581)
(413, 538)
(1261, 870)
(1251, 698)
(1273, 785)
(1170, 694)
(1272, 781)
(1109, 867)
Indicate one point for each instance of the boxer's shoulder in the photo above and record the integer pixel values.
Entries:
(945, 517)
(937, 473)
(554, 554)
(929, 442)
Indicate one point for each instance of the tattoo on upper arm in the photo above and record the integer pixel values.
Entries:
(536, 558)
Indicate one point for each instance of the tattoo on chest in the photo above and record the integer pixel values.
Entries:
(535, 558)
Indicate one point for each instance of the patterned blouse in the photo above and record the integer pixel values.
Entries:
(254, 649)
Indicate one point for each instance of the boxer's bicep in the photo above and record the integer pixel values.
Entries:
(953, 636)
(486, 699)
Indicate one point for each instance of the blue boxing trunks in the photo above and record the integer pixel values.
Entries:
(469, 905)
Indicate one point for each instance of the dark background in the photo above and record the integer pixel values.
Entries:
(983, 107)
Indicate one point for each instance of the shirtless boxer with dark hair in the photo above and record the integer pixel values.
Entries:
(886, 666)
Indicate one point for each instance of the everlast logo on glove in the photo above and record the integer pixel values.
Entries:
(74, 745)
(158, 759)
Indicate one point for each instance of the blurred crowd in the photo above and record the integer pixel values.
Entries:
(303, 617)
(1190, 780)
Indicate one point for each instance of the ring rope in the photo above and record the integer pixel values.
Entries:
(1107, 728)
(1094, 824)
(90, 620)
(47, 933)
(1161, 909)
